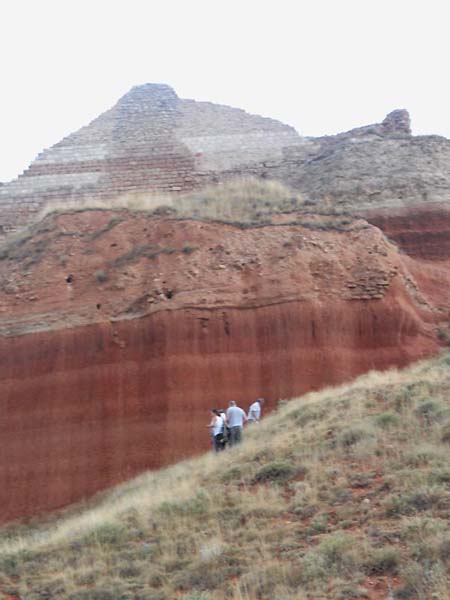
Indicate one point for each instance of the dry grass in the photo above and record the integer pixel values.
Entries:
(336, 491)
(244, 200)
(241, 201)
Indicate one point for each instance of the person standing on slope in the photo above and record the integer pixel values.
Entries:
(236, 418)
(254, 412)
(217, 426)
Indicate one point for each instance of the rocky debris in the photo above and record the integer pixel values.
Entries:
(368, 285)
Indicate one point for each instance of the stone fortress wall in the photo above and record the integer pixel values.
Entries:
(152, 142)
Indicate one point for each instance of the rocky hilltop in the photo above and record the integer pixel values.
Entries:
(120, 328)
(151, 141)
(154, 143)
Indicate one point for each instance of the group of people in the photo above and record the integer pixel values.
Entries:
(226, 427)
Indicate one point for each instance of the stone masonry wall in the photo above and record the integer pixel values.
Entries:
(149, 142)
(152, 142)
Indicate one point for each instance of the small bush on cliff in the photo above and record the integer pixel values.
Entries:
(108, 227)
(101, 276)
(187, 249)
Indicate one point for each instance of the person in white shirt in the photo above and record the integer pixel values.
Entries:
(254, 412)
(236, 418)
(217, 425)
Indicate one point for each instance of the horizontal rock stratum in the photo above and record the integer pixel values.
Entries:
(119, 329)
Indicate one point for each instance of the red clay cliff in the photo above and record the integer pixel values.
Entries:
(119, 330)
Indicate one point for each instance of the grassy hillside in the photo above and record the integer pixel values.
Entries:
(339, 494)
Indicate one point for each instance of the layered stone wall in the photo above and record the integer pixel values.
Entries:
(150, 142)
(155, 144)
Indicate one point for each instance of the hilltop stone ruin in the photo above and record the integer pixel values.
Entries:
(154, 143)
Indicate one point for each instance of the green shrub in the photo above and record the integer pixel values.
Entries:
(129, 570)
(319, 524)
(445, 436)
(429, 410)
(198, 505)
(101, 276)
(109, 534)
(336, 549)
(274, 471)
(418, 500)
(440, 476)
(233, 474)
(152, 595)
(387, 420)
(334, 555)
(186, 249)
(383, 560)
(353, 434)
(424, 498)
(200, 576)
(9, 565)
(425, 455)
(414, 577)
(444, 549)
(305, 415)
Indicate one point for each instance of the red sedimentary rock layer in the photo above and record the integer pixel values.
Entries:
(85, 408)
(422, 231)
(120, 331)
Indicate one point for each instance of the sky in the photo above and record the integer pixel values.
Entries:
(323, 66)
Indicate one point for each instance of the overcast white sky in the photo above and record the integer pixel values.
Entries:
(321, 65)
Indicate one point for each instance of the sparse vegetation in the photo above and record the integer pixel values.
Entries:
(101, 276)
(187, 249)
(110, 225)
(141, 251)
(444, 334)
(335, 495)
(240, 201)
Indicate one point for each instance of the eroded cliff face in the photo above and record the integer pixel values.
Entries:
(121, 330)
(88, 407)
